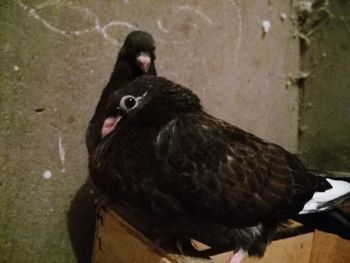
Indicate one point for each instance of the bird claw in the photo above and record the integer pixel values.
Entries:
(236, 257)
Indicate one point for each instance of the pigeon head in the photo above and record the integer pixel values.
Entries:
(148, 99)
(138, 48)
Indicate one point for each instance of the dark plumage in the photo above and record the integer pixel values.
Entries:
(199, 176)
(135, 58)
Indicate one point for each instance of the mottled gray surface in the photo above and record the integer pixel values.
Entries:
(56, 56)
(325, 114)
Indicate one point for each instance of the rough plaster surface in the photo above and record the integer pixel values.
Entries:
(325, 112)
(56, 56)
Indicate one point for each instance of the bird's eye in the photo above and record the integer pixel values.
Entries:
(128, 102)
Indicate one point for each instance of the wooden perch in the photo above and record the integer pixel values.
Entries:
(118, 242)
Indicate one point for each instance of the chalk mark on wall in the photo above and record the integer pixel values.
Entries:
(176, 11)
(102, 29)
(61, 151)
(34, 14)
(161, 27)
(196, 11)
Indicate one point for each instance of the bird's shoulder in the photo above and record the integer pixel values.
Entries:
(204, 131)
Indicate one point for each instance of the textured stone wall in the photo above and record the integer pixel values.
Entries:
(56, 56)
(325, 100)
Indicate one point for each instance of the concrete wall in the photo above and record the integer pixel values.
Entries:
(56, 56)
(325, 105)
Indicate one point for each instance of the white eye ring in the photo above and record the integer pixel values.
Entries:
(128, 102)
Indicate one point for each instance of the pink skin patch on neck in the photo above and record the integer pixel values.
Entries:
(109, 125)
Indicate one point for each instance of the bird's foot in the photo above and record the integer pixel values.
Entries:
(236, 257)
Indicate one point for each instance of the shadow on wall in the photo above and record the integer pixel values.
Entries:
(81, 219)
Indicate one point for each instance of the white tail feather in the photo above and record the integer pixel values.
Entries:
(319, 200)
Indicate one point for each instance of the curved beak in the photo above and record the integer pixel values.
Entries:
(144, 61)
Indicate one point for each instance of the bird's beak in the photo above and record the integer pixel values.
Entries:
(144, 61)
(109, 125)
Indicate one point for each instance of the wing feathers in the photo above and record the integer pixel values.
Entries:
(224, 171)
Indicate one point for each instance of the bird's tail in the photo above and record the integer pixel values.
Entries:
(337, 192)
(328, 210)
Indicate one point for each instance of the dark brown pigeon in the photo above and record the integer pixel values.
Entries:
(203, 178)
(135, 58)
